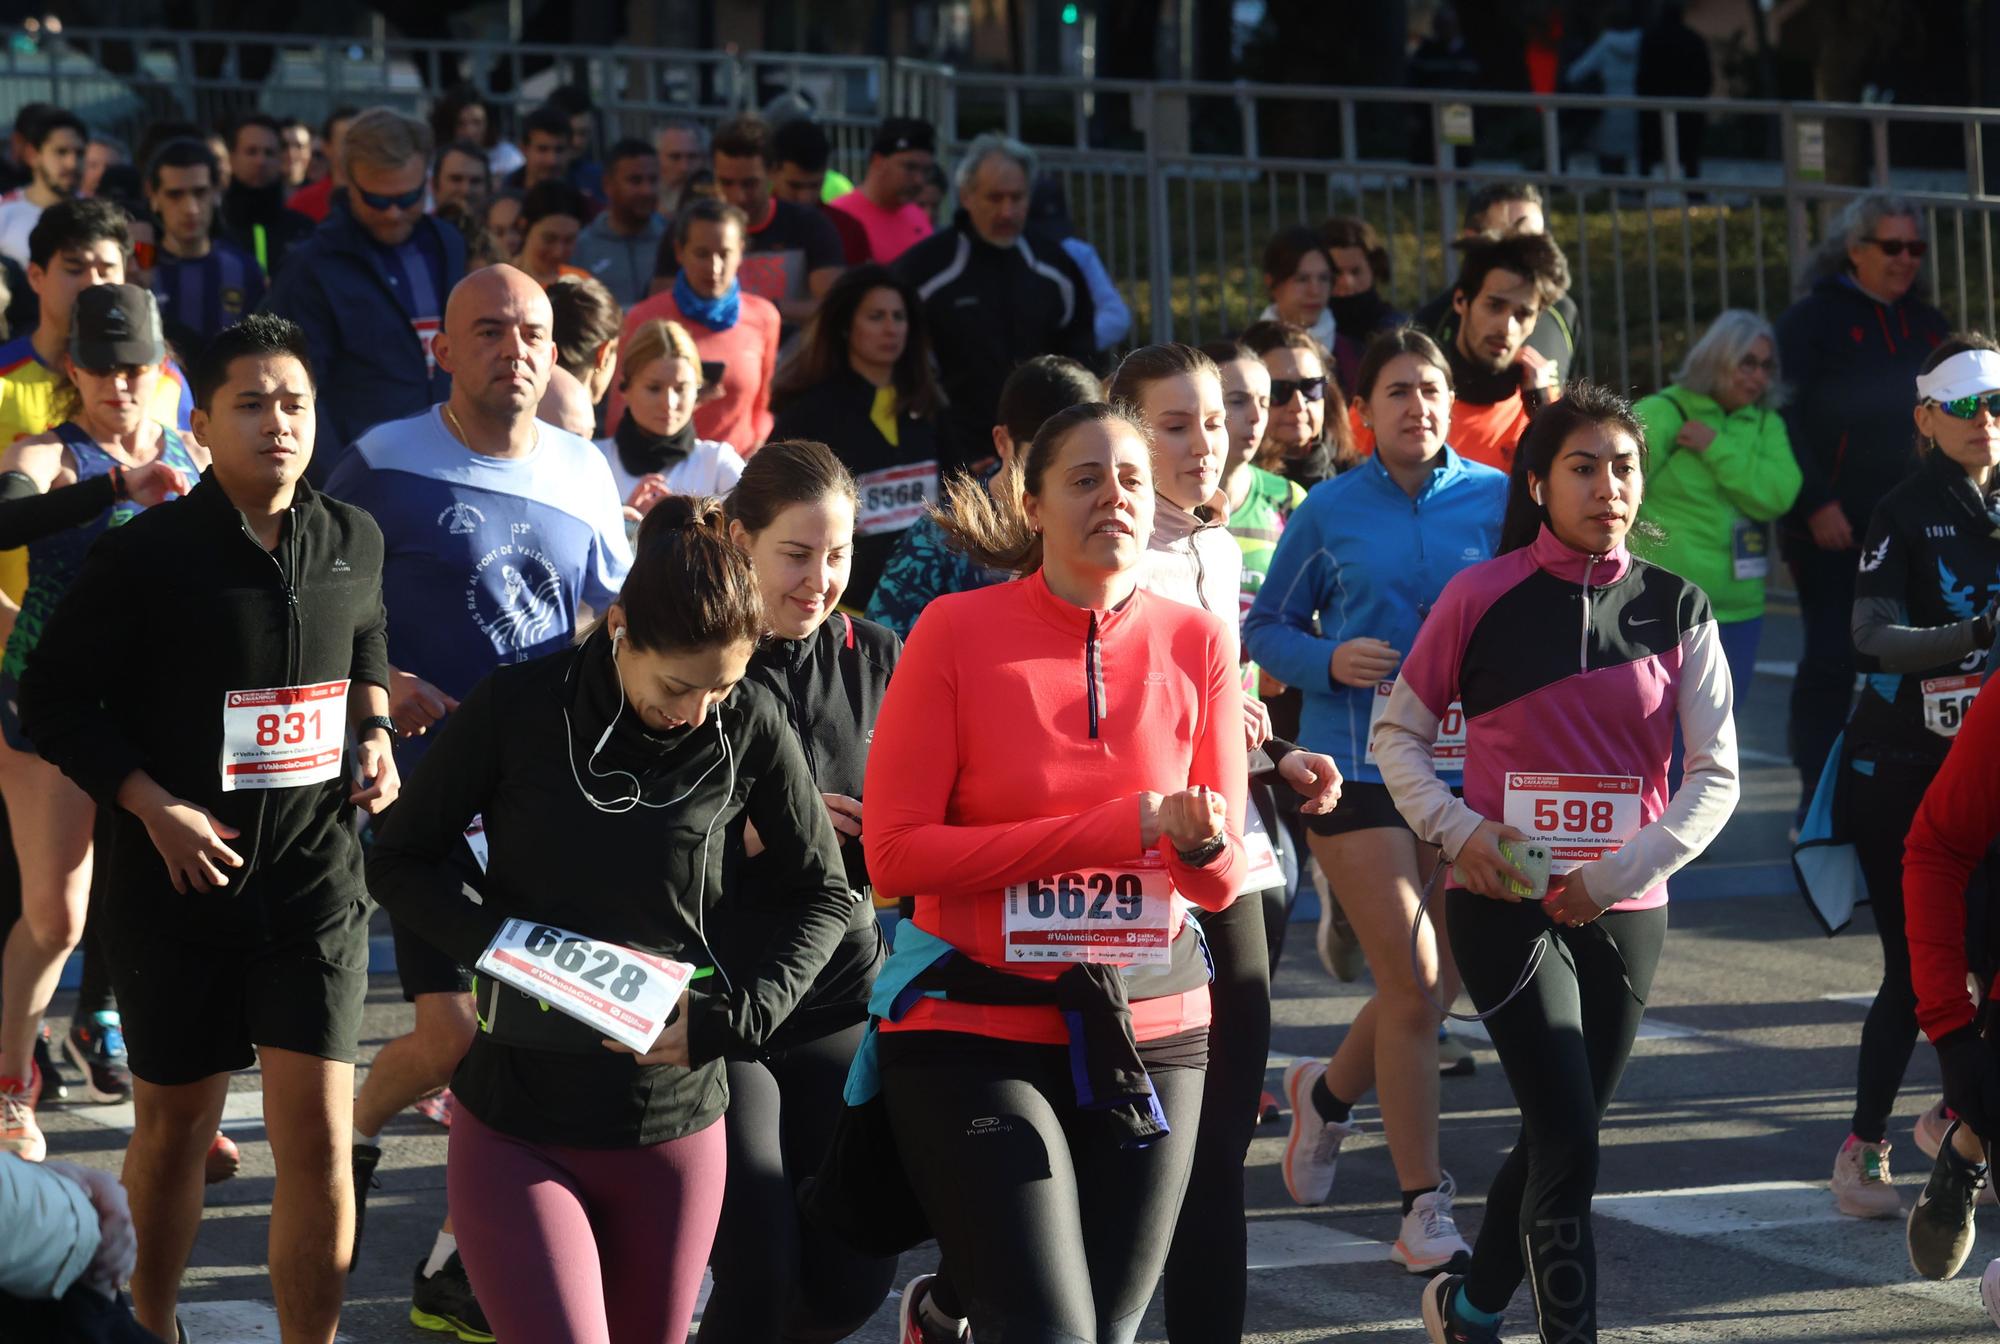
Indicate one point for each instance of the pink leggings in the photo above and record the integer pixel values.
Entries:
(584, 1245)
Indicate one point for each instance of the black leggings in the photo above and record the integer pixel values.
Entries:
(1879, 808)
(1053, 1233)
(776, 1276)
(1563, 1042)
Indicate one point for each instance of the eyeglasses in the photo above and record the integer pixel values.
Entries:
(1895, 247)
(406, 201)
(1967, 408)
(1752, 364)
(1283, 389)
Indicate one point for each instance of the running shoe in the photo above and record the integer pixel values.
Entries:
(222, 1160)
(910, 1326)
(1989, 1290)
(443, 1302)
(19, 1134)
(96, 1049)
(1929, 1134)
(1339, 949)
(1454, 1056)
(1862, 1186)
(1442, 1324)
(1430, 1241)
(1267, 1109)
(436, 1107)
(366, 1157)
(1939, 1233)
(1312, 1150)
(53, 1087)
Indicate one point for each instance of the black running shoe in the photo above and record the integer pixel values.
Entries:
(1939, 1232)
(96, 1048)
(1442, 1324)
(53, 1087)
(367, 1157)
(443, 1302)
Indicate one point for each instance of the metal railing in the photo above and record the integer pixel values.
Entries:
(1179, 185)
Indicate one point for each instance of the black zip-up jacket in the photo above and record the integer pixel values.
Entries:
(1852, 366)
(1928, 574)
(1554, 336)
(169, 614)
(242, 209)
(830, 686)
(989, 309)
(518, 753)
(840, 414)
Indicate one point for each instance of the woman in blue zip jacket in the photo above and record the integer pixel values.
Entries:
(1355, 573)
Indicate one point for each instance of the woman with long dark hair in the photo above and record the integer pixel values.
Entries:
(1574, 663)
(860, 382)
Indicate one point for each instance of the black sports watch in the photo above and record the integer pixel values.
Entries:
(1203, 854)
(382, 721)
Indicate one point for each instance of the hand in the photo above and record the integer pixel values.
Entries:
(844, 813)
(1481, 867)
(1316, 778)
(1256, 723)
(157, 481)
(378, 784)
(117, 1245)
(670, 1048)
(415, 704)
(1694, 434)
(1830, 529)
(1191, 818)
(192, 842)
(1363, 662)
(1536, 369)
(753, 843)
(1269, 686)
(650, 490)
(1568, 903)
(1971, 1082)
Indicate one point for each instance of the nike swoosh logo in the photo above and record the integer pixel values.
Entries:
(1652, 620)
(1924, 1198)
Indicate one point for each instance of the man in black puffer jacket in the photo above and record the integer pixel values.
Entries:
(200, 681)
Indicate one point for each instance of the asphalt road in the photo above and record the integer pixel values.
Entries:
(1714, 1223)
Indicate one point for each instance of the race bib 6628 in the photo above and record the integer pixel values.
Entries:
(626, 994)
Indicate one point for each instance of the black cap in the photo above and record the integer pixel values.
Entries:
(900, 133)
(115, 326)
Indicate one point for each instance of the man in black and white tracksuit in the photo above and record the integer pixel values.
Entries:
(994, 294)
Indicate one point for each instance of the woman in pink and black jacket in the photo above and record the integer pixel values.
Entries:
(1574, 662)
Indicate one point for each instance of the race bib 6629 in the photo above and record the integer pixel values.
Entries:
(1119, 915)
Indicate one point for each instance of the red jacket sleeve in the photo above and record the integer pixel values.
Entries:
(1958, 819)
(1221, 762)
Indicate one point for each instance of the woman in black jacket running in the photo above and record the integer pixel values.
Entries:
(586, 1177)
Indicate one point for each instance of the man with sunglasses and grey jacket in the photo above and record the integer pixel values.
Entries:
(369, 286)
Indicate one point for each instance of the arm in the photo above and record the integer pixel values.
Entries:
(377, 783)
(1753, 465)
(1404, 736)
(412, 868)
(30, 511)
(1956, 823)
(610, 552)
(1709, 781)
(1799, 357)
(1113, 318)
(1279, 629)
(1882, 637)
(913, 766)
(808, 908)
(1219, 762)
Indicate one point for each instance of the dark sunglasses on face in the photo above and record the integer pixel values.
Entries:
(406, 201)
(1282, 389)
(1895, 247)
(1967, 408)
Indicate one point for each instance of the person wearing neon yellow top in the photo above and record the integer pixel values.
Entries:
(76, 244)
(1721, 468)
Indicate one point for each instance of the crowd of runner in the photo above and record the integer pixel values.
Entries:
(648, 571)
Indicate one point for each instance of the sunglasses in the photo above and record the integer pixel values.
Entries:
(1895, 247)
(377, 201)
(1967, 408)
(1283, 389)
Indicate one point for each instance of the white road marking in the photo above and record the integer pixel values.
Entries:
(240, 1110)
(1287, 1243)
(232, 1322)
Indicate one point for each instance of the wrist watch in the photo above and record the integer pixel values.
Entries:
(382, 721)
(1203, 854)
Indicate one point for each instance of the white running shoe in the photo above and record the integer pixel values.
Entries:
(1862, 1186)
(1989, 1291)
(910, 1327)
(1312, 1150)
(1430, 1242)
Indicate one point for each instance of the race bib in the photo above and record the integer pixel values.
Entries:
(894, 497)
(1579, 818)
(283, 737)
(1447, 753)
(1265, 870)
(475, 840)
(427, 334)
(1749, 550)
(1119, 915)
(627, 995)
(1946, 700)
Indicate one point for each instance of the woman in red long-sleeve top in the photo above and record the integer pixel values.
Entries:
(1058, 765)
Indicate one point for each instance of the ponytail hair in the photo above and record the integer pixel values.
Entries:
(995, 532)
(1583, 406)
(690, 587)
(781, 474)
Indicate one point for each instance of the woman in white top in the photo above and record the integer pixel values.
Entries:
(655, 452)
